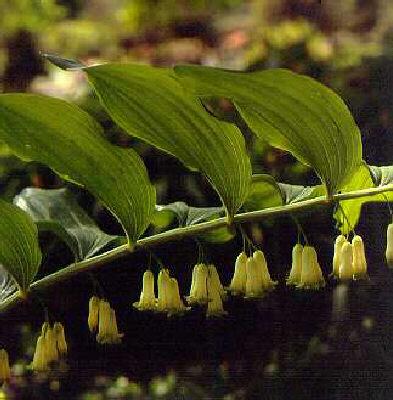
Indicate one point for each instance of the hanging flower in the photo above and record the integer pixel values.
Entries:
(215, 307)
(107, 325)
(346, 264)
(198, 291)
(238, 282)
(163, 290)
(389, 245)
(40, 363)
(61, 342)
(311, 276)
(359, 263)
(215, 278)
(340, 240)
(296, 270)
(175, 303)
(92, 320)
(51, 352)
(5, 372)
(147, 300)
(267, 282)
(254, 284)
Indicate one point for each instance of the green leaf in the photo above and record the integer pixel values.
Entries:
(291, 112)
(57, 211)
(150, 104)
(8, 284)
(296, 193)
(67, 139)
(20, 254)
(381, 175)
(187, 216)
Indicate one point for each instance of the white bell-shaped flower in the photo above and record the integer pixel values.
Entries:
(359, 263)
(389, 245)
(61, 342)
(5, 372)
(107, 325)
(267, 282)
(40, 363)
(147, 299)
(340, 240)
(254, 283)
(296, 270)
(238, 282)
(176, 304)
(51, 351)
(214, 306)
(346, 264)
(311, 276)
(215, 278)
(92, 320)
(198, 292)
(163, 287)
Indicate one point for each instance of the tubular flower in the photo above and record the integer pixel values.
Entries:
(340, 240)
(107, 325)
(92, 320)
(346, 264)
(5, 372)
(163, 290)
(311, 276)
(147, 300)
(359, 263)
(389, 245)
(61, 342)
(296, 270)
(238, 282)
(215, 278)
(198, 292)
(40, 363)
(254, 283)
(51, 351)
(214, 306)
(267, 282)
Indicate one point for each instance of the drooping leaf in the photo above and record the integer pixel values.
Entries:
(291, 112)
(150, 104)
(20, 254)
(67, 139)
(186, 215)
(296, 193)
(57, 210)
(66, 64)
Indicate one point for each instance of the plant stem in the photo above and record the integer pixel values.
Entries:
(180, 233)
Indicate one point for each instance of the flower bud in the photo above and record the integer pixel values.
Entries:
(340, 240)
(311, 276)
(214, 306)
(389, 245)
(254, 284)
(346, 268)
(58, 330)
(147, 299)
(359, 263)
(238, 282)
(198, 292)
(92, 320)
(5, 372)
(296, 270)
(267, 282)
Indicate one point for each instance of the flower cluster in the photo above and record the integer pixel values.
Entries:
(51, 345)
(103, 317)
(168, 300)
(5, 372)
(349, 259)
(251, 277)
(305, 272)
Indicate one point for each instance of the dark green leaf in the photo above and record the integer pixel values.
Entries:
(150, 104)
(20, 254)
(290, 111)
(64, 63)
(67, 139)
(56, 210)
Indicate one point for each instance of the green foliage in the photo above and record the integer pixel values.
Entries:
(291, 112)
(20, 254)
(57, 211)
(150, 104)
(68, 140)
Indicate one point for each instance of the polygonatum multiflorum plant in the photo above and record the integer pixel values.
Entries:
(164, 107)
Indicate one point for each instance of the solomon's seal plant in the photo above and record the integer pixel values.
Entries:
(289, 111)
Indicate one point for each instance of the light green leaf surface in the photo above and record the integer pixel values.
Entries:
(291, 112)
(20, 254)
(57, 211)
(67, 139)
(150, 104)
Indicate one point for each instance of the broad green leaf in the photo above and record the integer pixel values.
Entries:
(57, 211)
(8, 284)
(291, 112)
(264, 193)
(67, 139)
(187, 216)
(150, 104)
(296, 193)
(20, 254)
